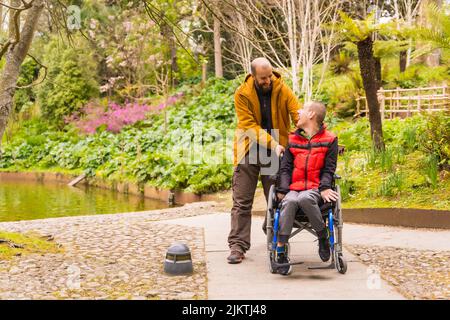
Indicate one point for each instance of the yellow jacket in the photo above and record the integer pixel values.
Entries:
(283, 104)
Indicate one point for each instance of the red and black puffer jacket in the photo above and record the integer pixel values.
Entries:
(308, 163)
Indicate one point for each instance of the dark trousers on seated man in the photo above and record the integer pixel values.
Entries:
(308, 201)
(245, 180)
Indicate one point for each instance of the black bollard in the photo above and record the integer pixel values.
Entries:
(178, 260)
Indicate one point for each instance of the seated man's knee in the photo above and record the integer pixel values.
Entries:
(307, 200)
(289, 202)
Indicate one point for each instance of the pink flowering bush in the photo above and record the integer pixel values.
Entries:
(114, 117)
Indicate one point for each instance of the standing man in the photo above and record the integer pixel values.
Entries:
(265, 108)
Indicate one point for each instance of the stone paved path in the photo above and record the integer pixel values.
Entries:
(116, 256)
(417, 274)
(415, 261)
(121, 256)
(251, 279)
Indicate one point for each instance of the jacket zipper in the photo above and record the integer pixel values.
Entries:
(306, 165)
(307, 158)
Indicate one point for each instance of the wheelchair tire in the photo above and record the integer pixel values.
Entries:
(269, 228)
(271, 260)
(338, 206)
(340, 222)
(341, 264)
(270, 252)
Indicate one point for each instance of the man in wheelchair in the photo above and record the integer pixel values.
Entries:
(305, 179)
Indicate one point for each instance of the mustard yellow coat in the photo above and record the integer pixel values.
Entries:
(284, 106)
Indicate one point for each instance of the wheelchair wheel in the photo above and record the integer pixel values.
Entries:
(341, 264)
(338, 207)
(269, 217)
(270, 252)
(339, 222)
(271, 261)
(269, 228)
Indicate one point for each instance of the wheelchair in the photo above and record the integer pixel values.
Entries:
(332, 215)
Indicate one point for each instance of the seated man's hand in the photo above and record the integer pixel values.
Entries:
(280, 196)
(329, 195)
(279, 150)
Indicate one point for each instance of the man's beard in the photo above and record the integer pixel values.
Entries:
(264, 89)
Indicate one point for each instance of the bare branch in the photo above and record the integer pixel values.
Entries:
(25, 6)
(5, 48)
(157, 16)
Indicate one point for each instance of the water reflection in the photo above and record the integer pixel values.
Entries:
(27, 200)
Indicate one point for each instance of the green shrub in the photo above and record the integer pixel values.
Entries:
(416, 75)
(70, 82)
(347, 188)
(29, 71)
(391, 185)
(340, 63)
(435, 138)
(339, 92)
(431, 171)
(355, 136)
(211, 178)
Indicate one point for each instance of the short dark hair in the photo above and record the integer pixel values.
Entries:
(320, 109)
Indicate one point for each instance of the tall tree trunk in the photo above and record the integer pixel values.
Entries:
(14, 58)
(377, 65)
(402, 60)
(217, 49)
(167, 33)
(293, 38)
(174, 62)
(371, 85)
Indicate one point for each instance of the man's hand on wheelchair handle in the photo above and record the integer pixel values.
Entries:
(279, 150)
(329, 195)
(280, 196)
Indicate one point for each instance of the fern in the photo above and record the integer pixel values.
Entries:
(439, 33)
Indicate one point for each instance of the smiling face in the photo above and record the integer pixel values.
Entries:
(304, 116)
(263, 78)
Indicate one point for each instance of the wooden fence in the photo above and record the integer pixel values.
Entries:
(405, 102)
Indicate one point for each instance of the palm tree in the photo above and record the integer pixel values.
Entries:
(438, 35)
(361, 33)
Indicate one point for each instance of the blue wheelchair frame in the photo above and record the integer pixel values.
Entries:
(337, 260)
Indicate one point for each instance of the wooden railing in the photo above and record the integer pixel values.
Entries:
(405, 102)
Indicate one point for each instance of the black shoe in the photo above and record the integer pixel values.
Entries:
(235, 257)
(282, 257)
(324, 245)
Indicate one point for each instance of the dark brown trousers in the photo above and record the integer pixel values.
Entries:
(245, 180)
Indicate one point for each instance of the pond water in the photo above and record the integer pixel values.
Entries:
(28, 200)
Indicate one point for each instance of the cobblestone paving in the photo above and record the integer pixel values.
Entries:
(117, 256)
(417, 274)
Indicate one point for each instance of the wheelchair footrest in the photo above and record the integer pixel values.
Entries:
(279, 265)
(330, 266)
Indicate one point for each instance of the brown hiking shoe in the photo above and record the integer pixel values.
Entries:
(235, 257)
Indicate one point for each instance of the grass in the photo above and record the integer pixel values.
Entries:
(18, 244)
(405, 185)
